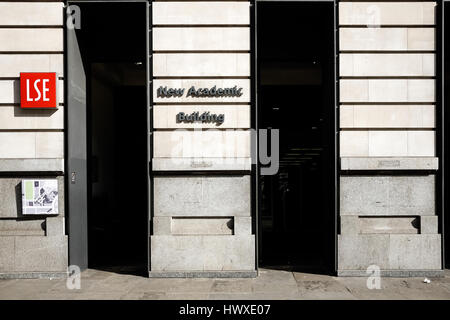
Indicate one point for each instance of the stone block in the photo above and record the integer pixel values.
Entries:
(421, 39)
(11, 196)
(387, 13)
(201, 83)
(429, 224)
(389, 163)
(388, 225)
(387, 195)
(353, 90)
(17, 145)
(421, 90)
(209, 143)
(242, 226)
(383, 90)
(202, 226)
(162, 225)
(13, 117)
(187, 12)
(198, 39)
(355, 39)
(202, 196)
(203, 164)
(31, 165)
(354, 143)
(388, 143)
(421, 143)
(416, 252)
(235, 116)
(387, 65)
(31, 13)
(201, 64)
(49, 144)
(36, 253)
(54, 226)
(22, 227)
(7, 248)
(357, 252)
(14, 64)
(202, 253)
(387, 116)
(33, 39)
(349, 225)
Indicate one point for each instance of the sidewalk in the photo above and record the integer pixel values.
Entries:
(271, 284)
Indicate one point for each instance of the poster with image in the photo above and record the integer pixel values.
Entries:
(40, 196)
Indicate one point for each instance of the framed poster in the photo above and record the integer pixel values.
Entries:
(40, 196)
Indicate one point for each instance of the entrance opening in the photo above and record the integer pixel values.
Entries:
(296, 95)
(112, 41)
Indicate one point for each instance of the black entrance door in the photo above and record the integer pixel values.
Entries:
(296, 95)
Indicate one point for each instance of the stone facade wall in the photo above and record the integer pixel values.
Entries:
(387, 69)
(31, 141)
(201, 223)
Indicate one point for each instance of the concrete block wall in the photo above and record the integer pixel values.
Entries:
(387, 70)
(31, 141)
(201, 224)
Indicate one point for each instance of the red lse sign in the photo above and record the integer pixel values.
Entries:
(38, 90)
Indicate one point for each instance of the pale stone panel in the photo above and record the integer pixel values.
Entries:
(387, 195)
(201, 38)
(389, 251)
(162, 225)
(387, 90)
(429, 224)
(14, 64)
(14, 117)
(203, 164)
(41, 254)
(354, 143)
(386, 13)
(388, 225)
(238, 116)
(202, 226)
(202, 253)
(353, 90)
(421, 39)
(49, 144)
(388, 65)
(416, 252)
(357, 252)
(7, 253)
(421, 90)
(17, 145)
(208, 12)
(31, 165)
(10, 91)
(54, 226)
(31, 13)
(388, 143)
(39, 39)
(373, 39)
(202, 83)
(383, 39)
(205, 196)
(421, 143)
(346, 116)
(207, 143)
(242, 226)
(389, 163)
(387, 116)
(17, 227)
(201, 64)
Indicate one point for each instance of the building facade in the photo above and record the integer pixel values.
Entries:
(164, 114)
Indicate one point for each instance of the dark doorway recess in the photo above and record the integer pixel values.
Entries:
(113, 46)
(445, 124)
(295, 61)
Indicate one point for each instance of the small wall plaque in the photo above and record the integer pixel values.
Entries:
(40, 196)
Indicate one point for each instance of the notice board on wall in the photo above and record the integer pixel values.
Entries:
(40, 196)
